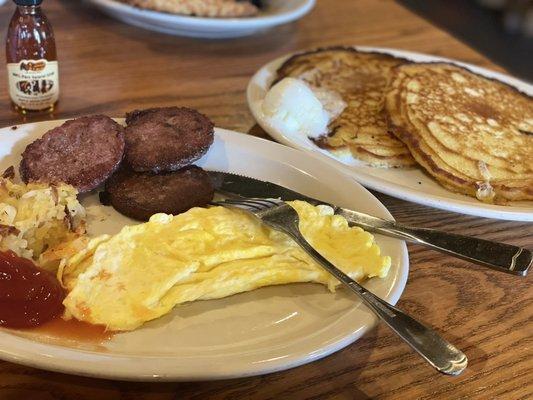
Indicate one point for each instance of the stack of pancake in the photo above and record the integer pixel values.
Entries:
(474, 135)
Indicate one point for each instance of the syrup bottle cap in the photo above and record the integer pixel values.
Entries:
(28, 2)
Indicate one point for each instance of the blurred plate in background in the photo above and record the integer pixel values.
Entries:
(276, 12)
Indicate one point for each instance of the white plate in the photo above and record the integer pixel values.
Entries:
(277, 12)
(407, 184)
(266, 330)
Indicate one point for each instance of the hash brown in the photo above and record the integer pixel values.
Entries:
(360, 78)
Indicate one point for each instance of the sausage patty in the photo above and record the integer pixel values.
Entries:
(139, 195)
(82, 152)
(166, 139)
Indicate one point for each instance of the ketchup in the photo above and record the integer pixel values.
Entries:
(29, 296)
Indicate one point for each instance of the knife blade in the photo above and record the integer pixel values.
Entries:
(245, 186)
(499, 256)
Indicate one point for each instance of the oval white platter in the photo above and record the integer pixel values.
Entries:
(277, 12)
(407, 184)
(253, 333)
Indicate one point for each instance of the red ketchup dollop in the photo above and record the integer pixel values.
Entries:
(29, 296)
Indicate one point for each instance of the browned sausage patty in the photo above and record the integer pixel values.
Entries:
(139, 195)
(82, 152)
(166, 139)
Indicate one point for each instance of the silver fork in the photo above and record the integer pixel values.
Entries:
(440, 354)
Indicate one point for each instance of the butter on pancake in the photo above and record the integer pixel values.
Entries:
(473, 134)
(145, 270)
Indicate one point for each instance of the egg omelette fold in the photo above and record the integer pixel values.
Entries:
(145, 270)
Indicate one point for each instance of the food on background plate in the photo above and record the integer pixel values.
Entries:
(166, 139)
(82, 152)
(473, 134)
(360, 79)
(36, 217)
(201, 8)
(293, 108)
(145, 270)
(139, 195)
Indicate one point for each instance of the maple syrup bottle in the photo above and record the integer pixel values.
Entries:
(31, 59)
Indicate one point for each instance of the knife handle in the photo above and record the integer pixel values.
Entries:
(499, 256)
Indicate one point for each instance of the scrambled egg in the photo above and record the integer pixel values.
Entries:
(36, 217)
(145, 270)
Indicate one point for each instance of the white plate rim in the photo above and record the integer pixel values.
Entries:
(245, 23)
(65, 360)
(470, 207)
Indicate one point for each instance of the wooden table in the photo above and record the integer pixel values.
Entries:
(109, 67)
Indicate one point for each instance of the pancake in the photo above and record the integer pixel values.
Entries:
(200, 8)
(473, 134)
(361, 79)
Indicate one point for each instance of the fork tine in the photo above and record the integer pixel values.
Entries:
(268, 202)
(261, 203)
(252, 204)
(244, 203)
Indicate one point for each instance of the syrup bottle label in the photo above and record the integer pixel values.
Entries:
(33, 84)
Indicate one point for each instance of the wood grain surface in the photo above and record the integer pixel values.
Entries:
(109, 67)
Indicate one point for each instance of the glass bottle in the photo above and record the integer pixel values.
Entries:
(31, 59)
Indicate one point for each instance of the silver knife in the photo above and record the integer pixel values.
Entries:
(499, 256)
